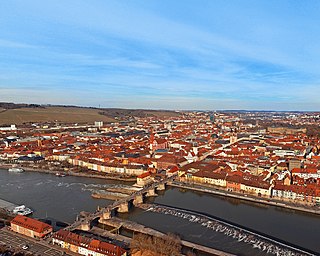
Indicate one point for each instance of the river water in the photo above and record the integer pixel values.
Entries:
(62, 198)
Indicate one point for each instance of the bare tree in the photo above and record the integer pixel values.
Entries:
(167, 245)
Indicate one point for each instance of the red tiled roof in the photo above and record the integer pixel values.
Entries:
(92, 244)
(174, 169)
(31, 224)
(144, 175)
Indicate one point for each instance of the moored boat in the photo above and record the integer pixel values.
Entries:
(58, 174)
(18, 170)
(22, 210)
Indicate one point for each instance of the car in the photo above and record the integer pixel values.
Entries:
(25, 247)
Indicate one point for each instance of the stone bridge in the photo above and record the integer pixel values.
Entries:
(122, 205)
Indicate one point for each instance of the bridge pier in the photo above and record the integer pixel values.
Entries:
(106, 215)
(138, 200)
(124, 207)
(151, 192)
(85, 226)
(161, 186)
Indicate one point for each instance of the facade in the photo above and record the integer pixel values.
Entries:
(233, 183)
(286, 130)
(216, 179)
(158, 143)
(209, 177)
(144, 179)
(308, 194)
(260, 189)
(108, 167)
(168, 161)
(86, 246)
(306, 173)
(294, 163)
(30, 227)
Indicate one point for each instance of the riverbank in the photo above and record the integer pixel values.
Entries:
(249, 198)
(71, 173)
(6, 214)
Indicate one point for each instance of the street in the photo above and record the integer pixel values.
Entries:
(40, 248)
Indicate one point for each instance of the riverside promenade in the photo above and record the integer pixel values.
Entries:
(250, 198)
(70, 173)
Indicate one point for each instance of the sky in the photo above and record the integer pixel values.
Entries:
(164, 54)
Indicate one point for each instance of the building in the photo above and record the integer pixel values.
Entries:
(305, 173)
(260, 188)
(286, 130)
(169, 160)
(30, 227)
(305, 194)
(294, 163)
(98, 124)
(158, 143)
(86, 246)
(9, 128)
(233, 183)
(144, 179)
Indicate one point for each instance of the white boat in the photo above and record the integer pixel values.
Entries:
(22, 210)
(15, 170)
(58, 174)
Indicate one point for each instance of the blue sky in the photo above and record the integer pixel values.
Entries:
(164, 54)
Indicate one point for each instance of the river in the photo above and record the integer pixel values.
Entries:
(63, 198)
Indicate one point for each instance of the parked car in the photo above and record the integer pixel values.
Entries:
(25, 247)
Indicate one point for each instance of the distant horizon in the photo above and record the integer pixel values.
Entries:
(163, 109)
(192, 54)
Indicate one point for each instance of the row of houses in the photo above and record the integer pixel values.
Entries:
(65, 239)
(234, 183)
(307, 194)
(306, 173)
(245, 183)
(106, 167)
(86, 246)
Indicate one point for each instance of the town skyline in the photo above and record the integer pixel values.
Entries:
(152, 55)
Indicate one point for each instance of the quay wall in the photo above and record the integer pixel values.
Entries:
(246, 198)
(6, 205)
(87, 175)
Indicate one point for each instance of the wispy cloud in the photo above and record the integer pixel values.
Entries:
(212, 55)
(12, 44)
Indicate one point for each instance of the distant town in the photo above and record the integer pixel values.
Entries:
(270, 158)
